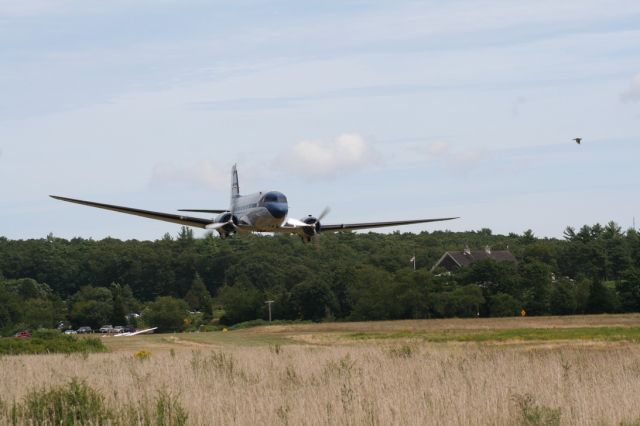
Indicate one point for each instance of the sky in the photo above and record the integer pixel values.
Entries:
(380, 110)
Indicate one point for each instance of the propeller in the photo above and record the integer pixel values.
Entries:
(217, 225)
(310, 225)
(224, 227)
(324, 213)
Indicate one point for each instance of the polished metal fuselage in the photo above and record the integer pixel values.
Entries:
(257, 212)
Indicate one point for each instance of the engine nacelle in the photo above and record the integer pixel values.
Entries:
(230, 224)
(312, 230)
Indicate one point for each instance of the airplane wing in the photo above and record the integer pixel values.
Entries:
(202, 210)
(174, 218)
(367, 225)
(291, 227)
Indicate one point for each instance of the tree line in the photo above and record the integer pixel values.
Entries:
(347, 276)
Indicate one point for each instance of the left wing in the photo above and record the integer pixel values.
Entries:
(167, 217)
(367, 225)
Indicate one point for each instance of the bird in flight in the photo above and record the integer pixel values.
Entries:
(578, 140)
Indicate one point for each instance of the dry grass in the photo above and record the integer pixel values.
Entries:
(452, 324)
(231, 379)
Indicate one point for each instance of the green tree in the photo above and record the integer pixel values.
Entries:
(461, 302)
(167, 313)
(371, 295)
(241, 302)
(91, 306)
(563, 298)
(582, 293)
(123, 303)
(629, 291)
(527, 237)
(504, 305)
(536, 280)
(569, 233)
(198, 297)
(601, 298)
(494, 277)
(313, 299)
(29, 304)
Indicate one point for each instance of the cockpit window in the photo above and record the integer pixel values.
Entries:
(275, 197)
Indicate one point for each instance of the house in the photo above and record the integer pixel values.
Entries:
(454, 260)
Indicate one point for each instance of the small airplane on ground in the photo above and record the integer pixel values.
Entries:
(259, 212)
(136, 333)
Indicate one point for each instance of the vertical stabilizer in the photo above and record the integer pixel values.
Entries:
(235, 188)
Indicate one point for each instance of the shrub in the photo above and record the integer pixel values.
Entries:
(532, 414)
(75, 403)
(169, 411)
(167, 313)
(142, 354)
(404, 351)
(50, 341)
(504, 305)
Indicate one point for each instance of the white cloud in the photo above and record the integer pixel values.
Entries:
(313, 158)
(632, 94)
(463, 162)
(202, 174)
(438, 148)
(515, 106)
(34, 8)
(28, 8)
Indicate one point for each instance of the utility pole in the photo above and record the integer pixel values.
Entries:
(269, 302)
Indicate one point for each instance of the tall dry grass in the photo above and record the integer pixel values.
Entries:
(365, 384)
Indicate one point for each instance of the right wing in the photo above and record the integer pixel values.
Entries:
(167, 217)
(367, 225)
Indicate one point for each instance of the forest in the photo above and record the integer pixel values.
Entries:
(181, 282)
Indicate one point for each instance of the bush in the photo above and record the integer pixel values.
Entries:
(532, 414)
(50, 341)
(142, 355)
(504, 305)
(167, 313)
(75, 403)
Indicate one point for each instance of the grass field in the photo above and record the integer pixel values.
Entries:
(553, 370)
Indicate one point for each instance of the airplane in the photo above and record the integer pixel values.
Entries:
(260, 212)
(137, 333)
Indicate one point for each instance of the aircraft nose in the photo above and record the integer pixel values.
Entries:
(277, 210)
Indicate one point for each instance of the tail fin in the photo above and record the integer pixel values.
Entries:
(235, 188)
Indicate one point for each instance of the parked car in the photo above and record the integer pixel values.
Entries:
(70, 332)
(22, 335)
(118, 329)
(106, 329)
(129, 329)
(84, 329)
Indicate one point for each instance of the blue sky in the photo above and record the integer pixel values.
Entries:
(382, 110)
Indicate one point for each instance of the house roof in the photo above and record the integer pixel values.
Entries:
(467, 257)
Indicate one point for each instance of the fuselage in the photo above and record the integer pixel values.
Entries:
(263, 210)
